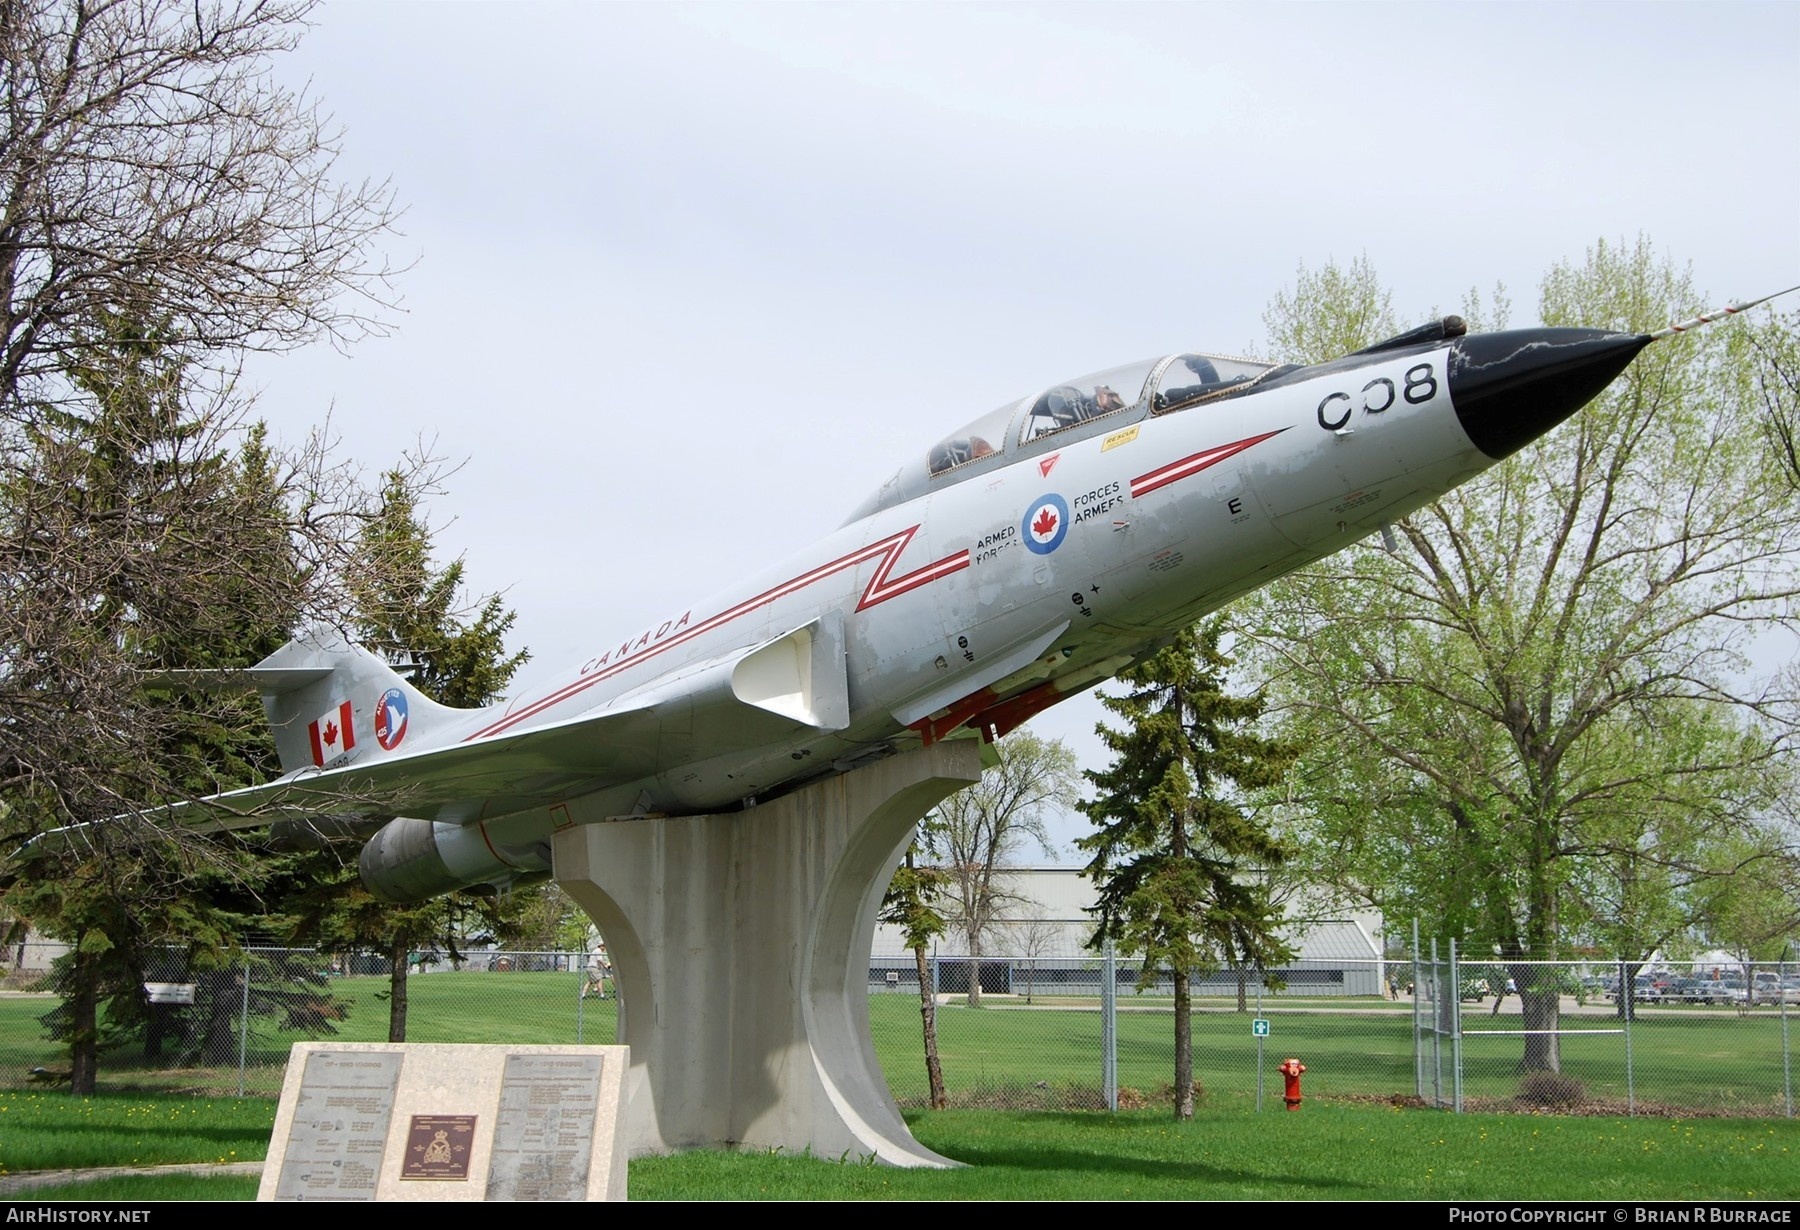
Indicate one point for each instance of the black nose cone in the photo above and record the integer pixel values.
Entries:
(1510, 388)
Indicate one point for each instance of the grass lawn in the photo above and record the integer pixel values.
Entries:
(1333, 1152)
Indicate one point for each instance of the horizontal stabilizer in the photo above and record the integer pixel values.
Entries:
(269, 680)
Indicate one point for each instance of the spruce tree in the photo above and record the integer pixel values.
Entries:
(1177, 856)
(411, 613)
(129, 523)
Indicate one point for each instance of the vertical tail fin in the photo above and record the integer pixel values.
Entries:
(332, 703)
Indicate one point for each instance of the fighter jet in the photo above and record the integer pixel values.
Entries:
(1024, 558)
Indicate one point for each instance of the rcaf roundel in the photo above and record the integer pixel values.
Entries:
(1045, 523)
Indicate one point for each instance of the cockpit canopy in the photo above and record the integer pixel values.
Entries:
(1103, 401)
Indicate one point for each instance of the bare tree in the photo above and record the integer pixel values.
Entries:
(1032, 940)
(151, 166)
(978, 832)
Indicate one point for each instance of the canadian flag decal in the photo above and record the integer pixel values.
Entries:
(332, 733)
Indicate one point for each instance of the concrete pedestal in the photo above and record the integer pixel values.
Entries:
(740, 949)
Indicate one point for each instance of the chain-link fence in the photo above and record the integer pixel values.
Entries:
(226, 1026)
(1031, 1025)
(1609, 1036)
(1060, 1027)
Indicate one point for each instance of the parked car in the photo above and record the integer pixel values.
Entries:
(1703, 991)
(1687, 990)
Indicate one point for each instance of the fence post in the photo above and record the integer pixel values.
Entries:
(1109, 1028)
(1456, 1072)
(1259, 1045)
(1438, 1019)
(244, 1026)
(1628, 1005)
(1418, 987)
(1787, 1055)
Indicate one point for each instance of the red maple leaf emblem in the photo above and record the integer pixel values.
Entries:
(1044, 524)
(330, 732)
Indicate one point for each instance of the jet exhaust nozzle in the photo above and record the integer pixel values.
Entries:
(1511, 387)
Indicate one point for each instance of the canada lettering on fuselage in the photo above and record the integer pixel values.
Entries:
(627, 647)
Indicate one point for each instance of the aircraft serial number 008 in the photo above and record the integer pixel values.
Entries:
(1421, 385)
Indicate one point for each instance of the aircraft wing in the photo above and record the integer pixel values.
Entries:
(749, 698)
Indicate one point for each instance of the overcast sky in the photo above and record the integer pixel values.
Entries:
(689, 280)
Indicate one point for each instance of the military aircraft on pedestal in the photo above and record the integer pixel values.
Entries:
(1031, 555)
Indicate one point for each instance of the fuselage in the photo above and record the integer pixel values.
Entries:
(987, 582)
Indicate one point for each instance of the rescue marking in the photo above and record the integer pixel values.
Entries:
(390, 719)
(1120, 437)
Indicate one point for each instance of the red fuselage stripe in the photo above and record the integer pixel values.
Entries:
(879, 590)
(1192, 464)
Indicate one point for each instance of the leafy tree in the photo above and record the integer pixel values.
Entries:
(1755, 912)
(909, 905)
(1529, 722)
(1764, 353)
(549, 920)
(1177, 856)
(976, 833)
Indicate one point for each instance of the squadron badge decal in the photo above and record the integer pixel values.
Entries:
(390, 719)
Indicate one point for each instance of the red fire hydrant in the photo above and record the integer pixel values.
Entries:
(1290, 1070)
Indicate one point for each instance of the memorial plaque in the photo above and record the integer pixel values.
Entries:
(340, 1126)
(544, 1134)
(437, 1147)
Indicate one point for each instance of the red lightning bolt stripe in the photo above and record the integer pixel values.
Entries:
(1192, 464)
(880, 588)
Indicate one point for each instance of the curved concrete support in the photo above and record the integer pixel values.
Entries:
(740, 950)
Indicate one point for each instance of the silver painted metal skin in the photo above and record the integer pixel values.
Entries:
(953, 605)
